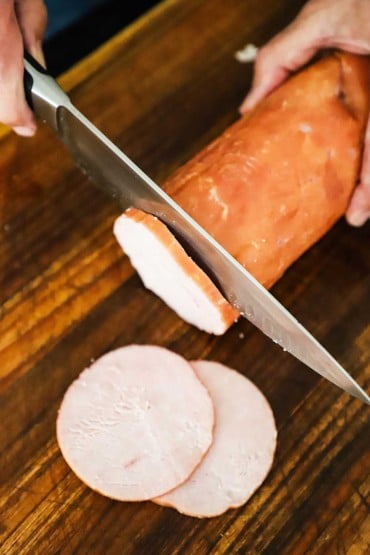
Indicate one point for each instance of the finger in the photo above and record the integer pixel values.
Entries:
(285, 53)
(32, 19)
(359, 209)
(268, 75)
(14, 110)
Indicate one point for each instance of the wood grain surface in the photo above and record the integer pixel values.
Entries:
(161, 90)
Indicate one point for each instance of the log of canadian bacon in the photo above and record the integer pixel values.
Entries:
(267, 189)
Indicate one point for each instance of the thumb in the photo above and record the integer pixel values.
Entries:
(359, 208)
(285, 53)
(267, 78)
(32, 19)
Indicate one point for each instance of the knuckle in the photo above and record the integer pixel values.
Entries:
(264, 57)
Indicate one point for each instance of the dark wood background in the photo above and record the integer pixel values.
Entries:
(162, 89)
(77, 28)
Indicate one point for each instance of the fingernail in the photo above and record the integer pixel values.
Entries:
(358, 219)
(250, 101)
(246, 105)
(25, 131)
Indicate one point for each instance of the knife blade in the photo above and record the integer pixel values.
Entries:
(110, 169)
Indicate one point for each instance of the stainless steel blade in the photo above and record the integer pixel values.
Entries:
(115, 173)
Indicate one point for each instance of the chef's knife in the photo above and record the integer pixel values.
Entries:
(116, 174)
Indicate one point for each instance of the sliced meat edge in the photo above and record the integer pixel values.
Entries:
(242, 451)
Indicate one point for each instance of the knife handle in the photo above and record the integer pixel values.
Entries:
(43, 93)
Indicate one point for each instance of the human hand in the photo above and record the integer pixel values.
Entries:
(22, 26)
(342, 24)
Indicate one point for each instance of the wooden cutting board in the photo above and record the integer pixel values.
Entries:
(162, 89)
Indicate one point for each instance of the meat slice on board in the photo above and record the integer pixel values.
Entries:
(242, 451)
(136, 423)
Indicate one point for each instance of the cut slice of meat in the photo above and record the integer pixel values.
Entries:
(170, 273)
(242, 451)
(267, 189)
(135, 423)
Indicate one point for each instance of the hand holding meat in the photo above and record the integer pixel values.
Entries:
(22, 25)
(343, 24)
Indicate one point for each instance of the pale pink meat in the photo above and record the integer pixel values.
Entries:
(136, 423)
(242, 451)
(170, 273)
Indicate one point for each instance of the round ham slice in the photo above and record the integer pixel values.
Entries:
(136, 423)
(170, 273)
(242, 451)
